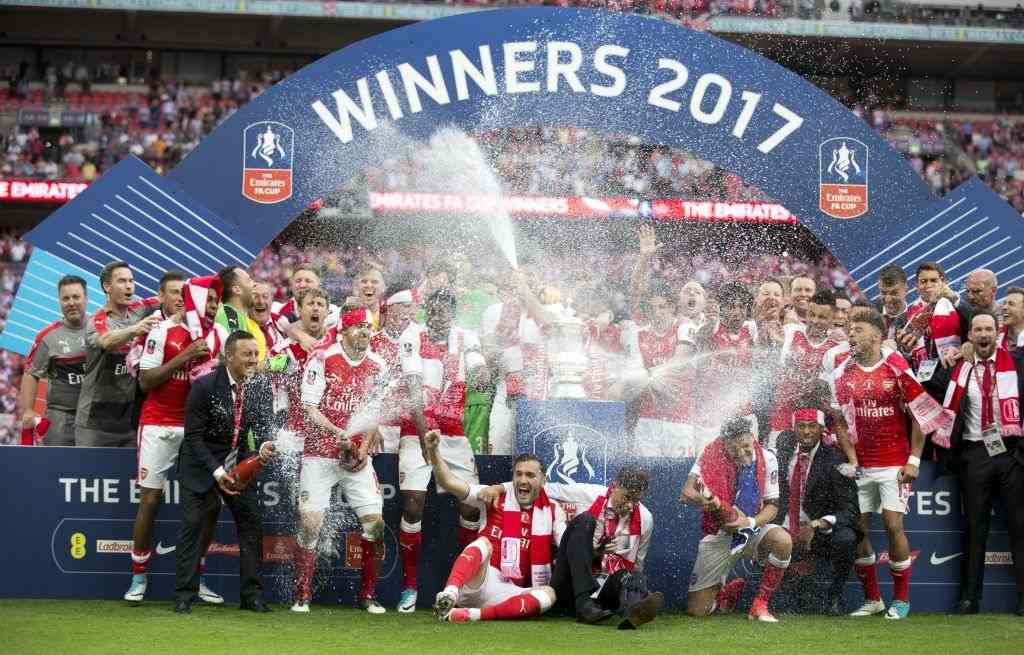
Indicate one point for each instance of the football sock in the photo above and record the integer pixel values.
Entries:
(409, 541)
(868, 576)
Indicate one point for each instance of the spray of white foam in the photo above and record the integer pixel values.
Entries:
(458, 165)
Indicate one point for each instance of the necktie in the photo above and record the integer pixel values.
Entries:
(232, 458)
(796, 492)
(986, 397)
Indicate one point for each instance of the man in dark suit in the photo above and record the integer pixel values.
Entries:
(987, 451)
(227, 417)
(819, 508)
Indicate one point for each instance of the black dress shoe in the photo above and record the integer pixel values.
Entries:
(255, 606)
(965, 607)
(588, 612)
(182, 607)
(1020, 611)
(642, 612)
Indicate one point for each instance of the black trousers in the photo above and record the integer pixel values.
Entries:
(249, 525)
(572, 576)
(831, 557)
(982, 480)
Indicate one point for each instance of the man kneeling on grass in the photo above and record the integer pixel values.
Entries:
(505, 573)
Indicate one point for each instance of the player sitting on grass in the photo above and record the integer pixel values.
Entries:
(504, 573)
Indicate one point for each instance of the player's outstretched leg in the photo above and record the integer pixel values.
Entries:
(470, 567)
(530, 603)
(779, 546)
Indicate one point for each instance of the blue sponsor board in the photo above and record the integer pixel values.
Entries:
(75, 509)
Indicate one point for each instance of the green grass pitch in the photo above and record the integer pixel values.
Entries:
(113, 627)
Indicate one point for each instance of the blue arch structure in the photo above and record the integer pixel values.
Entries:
(593, 69)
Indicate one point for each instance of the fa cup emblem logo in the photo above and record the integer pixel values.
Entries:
(569, 456)
(843, 176)
(268, 146)
(843, 159)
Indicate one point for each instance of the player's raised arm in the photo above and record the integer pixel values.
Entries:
(442, 474)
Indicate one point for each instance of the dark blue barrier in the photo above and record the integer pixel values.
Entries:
(69, 516)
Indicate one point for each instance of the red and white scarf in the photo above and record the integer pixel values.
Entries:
(1005, 387)
(195, 293)
(514, 551)
(930, 415)
(718, 475)
(612, 562)
(941, 323)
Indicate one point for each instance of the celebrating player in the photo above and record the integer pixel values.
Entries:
(288, 358)
(337, 384)
(285, 316)
(58, 355)
(665, 424)
(438, 361)
(801, 355)
(504, 573)
(801, 289)
(164, 374)
(400, 307)
(723, 386)
(872, 391)
(601, 553)
(104, 416)
(736, 481)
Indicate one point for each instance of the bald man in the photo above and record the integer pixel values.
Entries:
(981, 290)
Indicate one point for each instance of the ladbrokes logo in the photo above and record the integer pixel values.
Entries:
(268, 152)
(113, 546)
(843, 177)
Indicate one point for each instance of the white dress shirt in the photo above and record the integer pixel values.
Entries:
(972, 414)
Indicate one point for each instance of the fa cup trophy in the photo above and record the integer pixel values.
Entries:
(567, 358)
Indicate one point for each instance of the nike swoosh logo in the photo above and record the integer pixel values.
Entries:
(162, 550)
(941, 560)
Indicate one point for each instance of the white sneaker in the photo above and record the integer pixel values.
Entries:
(407, 602)
(301, 606)
(445, 601)
(870, 608)
(373, 607)
(208, 595)
(137, 591)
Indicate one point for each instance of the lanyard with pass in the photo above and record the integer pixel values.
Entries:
(990, 434)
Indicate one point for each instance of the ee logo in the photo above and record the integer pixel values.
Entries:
(78, 545)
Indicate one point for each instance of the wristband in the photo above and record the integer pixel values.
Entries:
(913, 460)
(753, 522)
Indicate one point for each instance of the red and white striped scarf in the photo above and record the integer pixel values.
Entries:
(941, 323)
(930, 415)
(195, 292)
(514, 549)
(1005, 388)
(612, 562)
